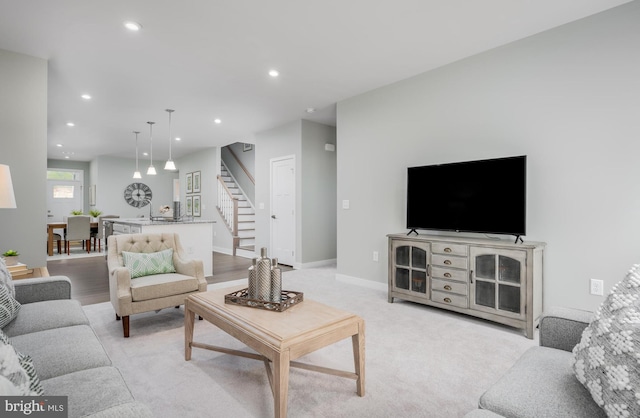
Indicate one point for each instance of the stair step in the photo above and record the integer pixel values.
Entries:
(246, 233)
(247, 241)
(245, 225)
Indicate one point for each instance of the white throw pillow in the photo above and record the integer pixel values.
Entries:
(5, 278)
(9, 307)
(607, 359)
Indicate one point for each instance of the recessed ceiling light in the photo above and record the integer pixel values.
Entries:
(274, 73)
(59, 145)
(145, 153)
(217, 121)
(178, 139)
(71, 124)
(133, 26)
(311, 109)
(86, 96)
(66, 156)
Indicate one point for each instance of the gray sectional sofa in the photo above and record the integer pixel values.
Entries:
(69, 359)
(542, 383)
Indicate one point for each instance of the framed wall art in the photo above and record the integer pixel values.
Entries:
(189, 205)
(189, 182)
(196, 205)
(196, 182)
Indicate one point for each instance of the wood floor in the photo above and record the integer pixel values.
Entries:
(90, 276)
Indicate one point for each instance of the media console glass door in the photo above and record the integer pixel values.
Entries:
(410, 267)
(498, 281)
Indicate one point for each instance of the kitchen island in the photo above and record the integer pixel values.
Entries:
(196, 236)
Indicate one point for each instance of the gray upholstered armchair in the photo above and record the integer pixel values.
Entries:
(150, 292)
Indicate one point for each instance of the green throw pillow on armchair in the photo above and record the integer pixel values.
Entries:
(145, 264)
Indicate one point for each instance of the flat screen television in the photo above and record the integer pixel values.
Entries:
(486, 196)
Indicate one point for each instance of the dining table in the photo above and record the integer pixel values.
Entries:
(59, 225)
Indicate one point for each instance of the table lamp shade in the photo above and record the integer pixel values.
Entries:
(7, 198)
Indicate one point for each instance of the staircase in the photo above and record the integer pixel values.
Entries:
(244, 241)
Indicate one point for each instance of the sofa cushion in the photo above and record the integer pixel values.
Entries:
(162, 285)
(50, 314)
(606, 359)
(90, 391)
(60, 351)
(541, 384)
(9, 306)
(146, 264)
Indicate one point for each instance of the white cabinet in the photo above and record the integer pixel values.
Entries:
(496, 280)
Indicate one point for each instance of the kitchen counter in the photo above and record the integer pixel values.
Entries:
(196, 235)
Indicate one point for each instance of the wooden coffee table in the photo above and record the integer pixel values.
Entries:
(278, 337)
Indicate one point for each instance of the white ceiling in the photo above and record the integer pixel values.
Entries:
(209, 59)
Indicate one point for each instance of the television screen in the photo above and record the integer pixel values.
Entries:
(487, 196)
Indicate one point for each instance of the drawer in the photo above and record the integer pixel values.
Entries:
(449, 274)
(452, 249)
(121, 228)
(446, 286)
(449, 261)
(449, 299)
(136, 229)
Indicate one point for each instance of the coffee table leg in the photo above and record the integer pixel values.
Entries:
(189, 319)
(281, 382)
(358, 357)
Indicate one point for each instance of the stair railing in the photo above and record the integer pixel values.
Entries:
(228, 208)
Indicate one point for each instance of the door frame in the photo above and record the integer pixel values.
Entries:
(291, 157)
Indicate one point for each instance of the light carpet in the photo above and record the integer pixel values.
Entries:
(420, 361)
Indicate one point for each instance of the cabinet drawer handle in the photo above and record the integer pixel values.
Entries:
(447, 287)
(447, 262)
(447, 250)
(447, 275)
(447, 300)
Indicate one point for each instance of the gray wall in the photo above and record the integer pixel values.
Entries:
(23, 147)
(315, 187)
(568, 98)
(318, 201)
(111, 176)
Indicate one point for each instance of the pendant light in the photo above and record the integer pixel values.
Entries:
(151, 171)
(137, 174)
(170, 165)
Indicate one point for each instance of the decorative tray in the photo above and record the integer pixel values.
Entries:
(241, 297)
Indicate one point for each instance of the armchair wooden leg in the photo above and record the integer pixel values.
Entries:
(125, 326)
(117, 317)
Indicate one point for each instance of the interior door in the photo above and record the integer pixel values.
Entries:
(64, 193)
(283, 216)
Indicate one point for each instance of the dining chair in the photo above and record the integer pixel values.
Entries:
(78, 229)
(99, 235)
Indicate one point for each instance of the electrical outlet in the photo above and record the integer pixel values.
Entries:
(345, 204)
(597, 287)
(375, 256)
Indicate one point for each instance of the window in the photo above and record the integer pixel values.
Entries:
(62, 175)
(61, 191)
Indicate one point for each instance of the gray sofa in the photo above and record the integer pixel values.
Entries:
(542, 383)
(69, 359)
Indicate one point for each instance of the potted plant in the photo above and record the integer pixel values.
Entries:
(11, 257)
(95, 213)
(77, 212)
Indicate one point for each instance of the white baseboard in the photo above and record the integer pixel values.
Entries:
(316, 264)
(223, 250)
(362, 282)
